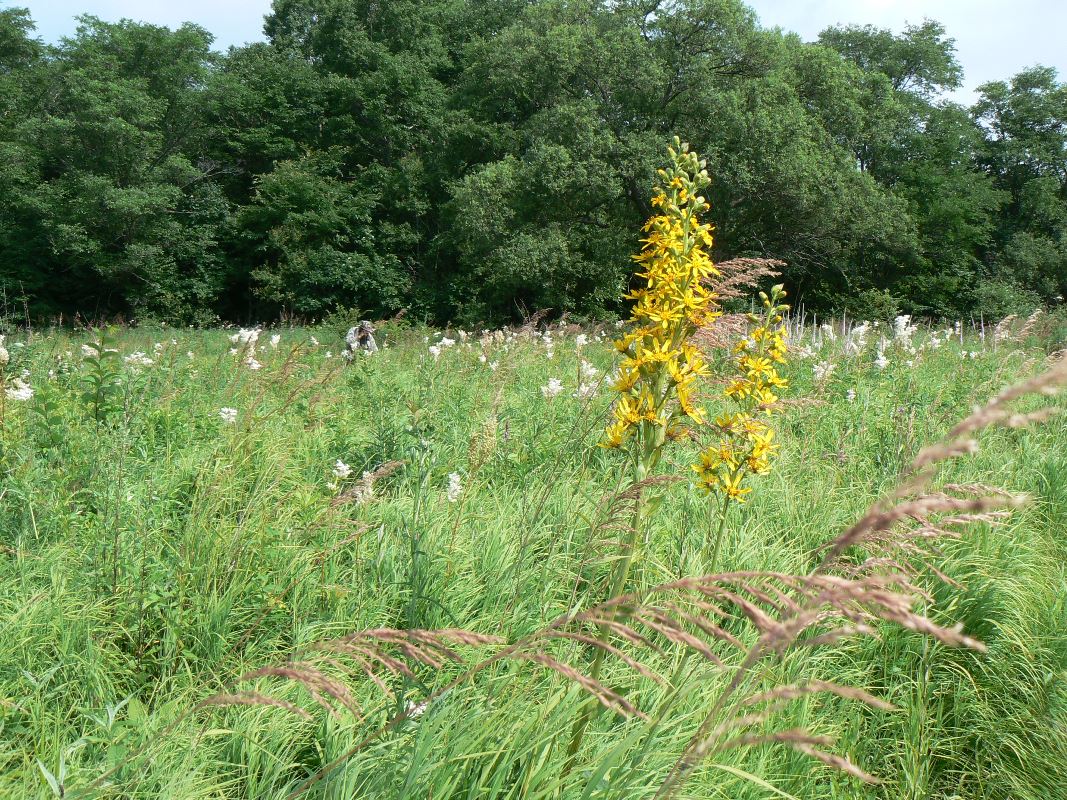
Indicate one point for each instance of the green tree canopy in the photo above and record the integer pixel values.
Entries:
(477, 159)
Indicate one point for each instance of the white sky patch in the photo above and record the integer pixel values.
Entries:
(233, 22)
(995, 39)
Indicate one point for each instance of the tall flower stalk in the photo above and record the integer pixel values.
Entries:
(671, 302)
(656, 378)
(746, 446)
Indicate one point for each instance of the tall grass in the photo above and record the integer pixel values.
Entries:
(153, 554)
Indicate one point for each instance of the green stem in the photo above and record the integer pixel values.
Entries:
(718, 534)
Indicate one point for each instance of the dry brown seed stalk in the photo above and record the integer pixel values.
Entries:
(253, 699)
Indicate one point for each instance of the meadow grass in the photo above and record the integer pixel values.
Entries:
(153, 553)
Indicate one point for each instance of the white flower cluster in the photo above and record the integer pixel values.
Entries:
(139, 359)
(19, 390)
(856, 339)
(246, 337)
(823, 370)
(552, 388)
(455, 487)
(228, 415)
(5, 357)
(444, 344)
(903, 330)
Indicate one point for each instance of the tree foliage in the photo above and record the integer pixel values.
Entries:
(478, 159)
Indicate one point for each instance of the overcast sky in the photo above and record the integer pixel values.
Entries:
(994, 38)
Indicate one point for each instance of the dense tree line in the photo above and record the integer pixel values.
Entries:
(472, 159)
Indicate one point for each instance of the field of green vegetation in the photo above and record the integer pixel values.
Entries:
(178, 510)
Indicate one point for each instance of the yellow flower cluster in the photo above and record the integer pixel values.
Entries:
(656, 379)
(747, 445)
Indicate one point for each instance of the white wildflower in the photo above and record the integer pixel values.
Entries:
(493, 365)
(455, 486)
(584, 391)
(446, 342)
(902, 327)
(275, 340)
(588, 370)
(89, 352)
(190, 355)
(314, 342)
(5, 357)
(881, 362)
(823, 370)
(435, 351)
(253, 364)
(19, 390)
(138, 359)
(228, 415)
(581, 340)
(856, 339)
(552, 388)
(341, 469)
(850, 395)
(827, 331)
(246, 337)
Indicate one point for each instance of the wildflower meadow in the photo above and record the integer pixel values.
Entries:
(721, 548)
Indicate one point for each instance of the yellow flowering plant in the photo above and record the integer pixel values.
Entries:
(656, 378)
(746, 445)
